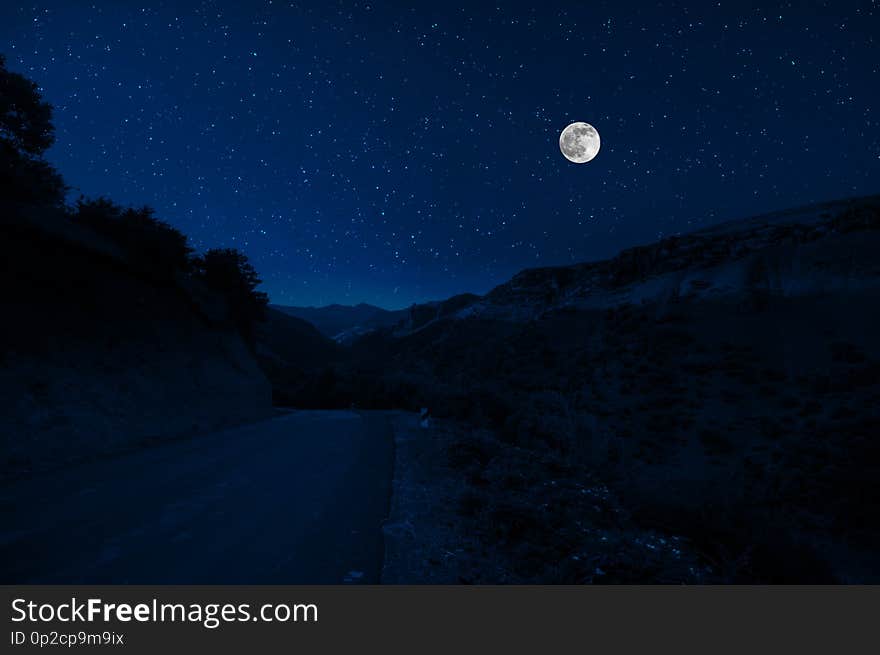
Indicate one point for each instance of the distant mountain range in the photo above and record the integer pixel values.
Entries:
(345, 324)
(339, 321)
(719, 261)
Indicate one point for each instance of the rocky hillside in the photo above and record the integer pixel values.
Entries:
(818, 249)
(99, 354)
(724, 384)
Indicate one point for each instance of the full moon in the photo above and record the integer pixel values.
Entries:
(579, 142)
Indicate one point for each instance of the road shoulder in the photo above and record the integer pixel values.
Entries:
(425, 542)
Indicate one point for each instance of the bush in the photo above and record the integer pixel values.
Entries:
(864, 217)
(26, 132)
(151, 244)
(544, 420)
(228, 271)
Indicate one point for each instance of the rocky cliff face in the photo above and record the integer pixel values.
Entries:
(823, 248)
(98, 357)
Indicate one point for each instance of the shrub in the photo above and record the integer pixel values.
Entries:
(228, 271)
(26, 132)
(545, 419)
(864, 217)
(151, 244)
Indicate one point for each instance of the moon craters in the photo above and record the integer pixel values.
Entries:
(579, 142)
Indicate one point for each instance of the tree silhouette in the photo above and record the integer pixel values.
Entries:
(228, 271)
(25, 118)
(26, 132)
(151, 244)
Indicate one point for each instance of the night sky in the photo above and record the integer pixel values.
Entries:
(388, 154)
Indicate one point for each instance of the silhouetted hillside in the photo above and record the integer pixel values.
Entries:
(420, 316)
(294, 354)
(113, 332)
(290, 339)
(99, 355)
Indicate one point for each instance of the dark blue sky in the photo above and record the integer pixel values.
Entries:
(378, 152)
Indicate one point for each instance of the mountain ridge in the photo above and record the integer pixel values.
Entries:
(335, 320)
(635, 274)
(624, 277)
